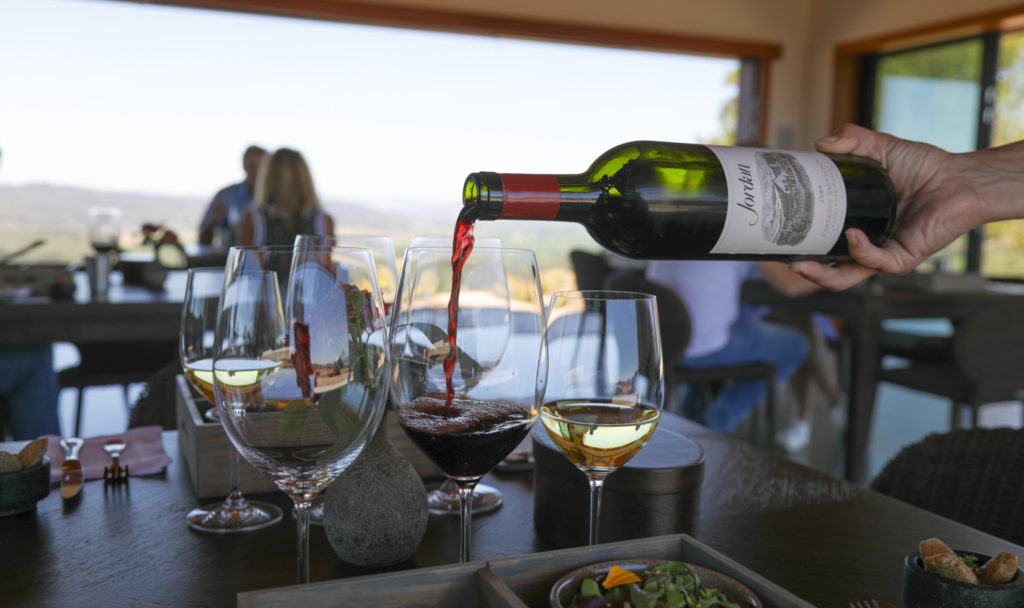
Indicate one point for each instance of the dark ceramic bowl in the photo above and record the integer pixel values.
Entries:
(565, 589)
(923, 589)
(21, 490)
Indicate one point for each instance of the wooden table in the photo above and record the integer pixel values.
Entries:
(863, 309)
(129, 314)
(826, 540)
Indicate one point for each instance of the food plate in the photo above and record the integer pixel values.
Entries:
(564, 590)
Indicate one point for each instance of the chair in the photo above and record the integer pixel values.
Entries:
(973, 476)
(977, 365)
(156, 404)
(591, 270)
(674, 320)
(115, 363)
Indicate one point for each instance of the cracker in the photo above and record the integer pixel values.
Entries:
(32, 454)
(9, 463)
(933, 546)
(999, 570)
(951, 567)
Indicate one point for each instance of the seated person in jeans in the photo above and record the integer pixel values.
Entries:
(724, 331)
(28, 385)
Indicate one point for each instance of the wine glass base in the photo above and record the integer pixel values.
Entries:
(485, 500)
(219, 519)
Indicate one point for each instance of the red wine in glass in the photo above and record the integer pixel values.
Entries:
(466, 437)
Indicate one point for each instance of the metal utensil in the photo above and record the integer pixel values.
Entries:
(115, 472)
(71, 471)
(10, 256)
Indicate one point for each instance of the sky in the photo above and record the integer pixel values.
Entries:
(138, 98)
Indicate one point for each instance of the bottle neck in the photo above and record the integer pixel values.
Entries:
(493, 196)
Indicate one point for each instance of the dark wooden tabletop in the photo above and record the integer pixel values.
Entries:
(826, 540)
(863, 308)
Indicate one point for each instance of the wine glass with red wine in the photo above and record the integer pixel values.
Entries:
(104, 228)
(604, 388)
(465, 359)
(444, 500)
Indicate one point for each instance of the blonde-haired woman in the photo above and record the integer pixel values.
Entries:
(285, 204)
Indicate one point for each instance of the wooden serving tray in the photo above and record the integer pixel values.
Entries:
(514, 582)
(206, 449)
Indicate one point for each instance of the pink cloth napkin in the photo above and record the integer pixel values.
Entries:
(143, 455)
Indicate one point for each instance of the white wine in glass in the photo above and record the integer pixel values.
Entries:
(195, 349)
(604, 386)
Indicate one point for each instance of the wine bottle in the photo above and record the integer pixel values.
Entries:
(659, 200)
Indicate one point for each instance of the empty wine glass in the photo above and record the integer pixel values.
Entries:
(605, 387)
(444, 500)
(300, 393)
(466, 385)
(195, 350)
(383, 251)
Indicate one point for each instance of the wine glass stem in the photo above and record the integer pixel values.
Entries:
(302, 531)
(235, 500)
(466, 518)
(596, 485)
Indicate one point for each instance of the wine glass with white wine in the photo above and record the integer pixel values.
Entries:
(605, 386)
(195, 349)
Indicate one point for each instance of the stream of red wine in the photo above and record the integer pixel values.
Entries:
(462, 245)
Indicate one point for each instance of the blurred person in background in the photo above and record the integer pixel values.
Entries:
(285, 205)
(221, 222)
(726, 332)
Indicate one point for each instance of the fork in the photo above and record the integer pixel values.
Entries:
(864, 604)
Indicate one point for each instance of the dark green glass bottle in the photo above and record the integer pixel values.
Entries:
(659, 200)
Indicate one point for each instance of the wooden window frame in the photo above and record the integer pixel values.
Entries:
(755, 57)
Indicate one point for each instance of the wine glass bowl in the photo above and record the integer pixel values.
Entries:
(604, 387)
(382, 249)
(467, 397)
(104, 228)
(300, 381)
(195, 350)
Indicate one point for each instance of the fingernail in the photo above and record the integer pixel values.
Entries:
(828, 140)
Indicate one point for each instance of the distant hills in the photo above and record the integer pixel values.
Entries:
(64, 208)
(58, 214)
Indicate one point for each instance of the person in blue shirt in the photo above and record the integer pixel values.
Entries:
(223, 216)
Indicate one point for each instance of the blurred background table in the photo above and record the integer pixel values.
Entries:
(862, 310)
(129, 314)
(826, 540)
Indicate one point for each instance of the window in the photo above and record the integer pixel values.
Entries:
(389, 119)
(960, 95)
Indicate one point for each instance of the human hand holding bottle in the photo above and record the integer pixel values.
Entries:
(941, 196)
